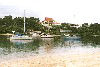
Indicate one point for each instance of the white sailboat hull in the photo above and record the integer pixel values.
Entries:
(47, 36)
(14, 37)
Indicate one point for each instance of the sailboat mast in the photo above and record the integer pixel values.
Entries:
(24, 21)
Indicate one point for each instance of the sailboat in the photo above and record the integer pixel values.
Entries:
(46, 36)
(21, 36)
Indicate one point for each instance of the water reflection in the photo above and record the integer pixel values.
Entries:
(45, 45)
(91, 40)
(13, 46)
(72, 42)
(20, 41)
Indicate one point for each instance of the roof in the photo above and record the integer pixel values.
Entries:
(48, 19)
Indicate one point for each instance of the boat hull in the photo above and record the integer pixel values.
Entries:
(20, 38)
(47, 36)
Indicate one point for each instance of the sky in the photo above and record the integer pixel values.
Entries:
(69, 11)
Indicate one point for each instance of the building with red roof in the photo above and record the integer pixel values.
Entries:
(48, 22)
(48, 19)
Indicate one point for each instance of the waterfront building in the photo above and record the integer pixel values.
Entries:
(49, 22)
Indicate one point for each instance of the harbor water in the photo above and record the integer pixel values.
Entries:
(20, 49)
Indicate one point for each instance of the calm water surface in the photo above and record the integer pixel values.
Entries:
(40, 46)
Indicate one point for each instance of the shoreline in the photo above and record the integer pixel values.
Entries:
(56, 60)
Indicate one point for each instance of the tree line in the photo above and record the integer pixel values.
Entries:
(9, 24)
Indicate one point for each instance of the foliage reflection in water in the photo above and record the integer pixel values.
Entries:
(44, 45)
(91, 40)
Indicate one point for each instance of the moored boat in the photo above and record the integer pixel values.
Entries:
(47, 36)
(20, 36)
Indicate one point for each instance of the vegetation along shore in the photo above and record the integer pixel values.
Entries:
(9, 24)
